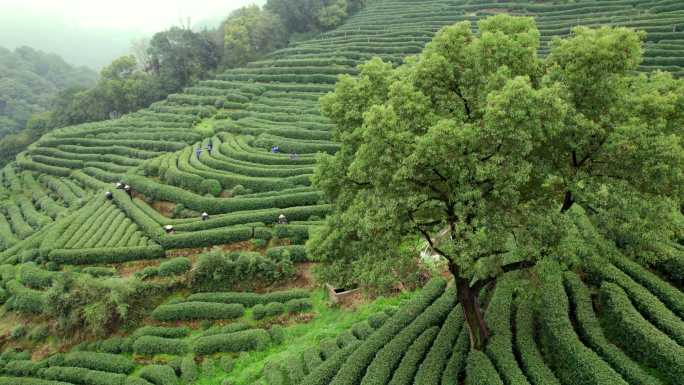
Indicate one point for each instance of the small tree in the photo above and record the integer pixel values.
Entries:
(463, 145)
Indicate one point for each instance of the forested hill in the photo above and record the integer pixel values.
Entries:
(29, 79)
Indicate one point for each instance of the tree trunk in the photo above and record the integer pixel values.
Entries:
(568, 201)
(477, 327)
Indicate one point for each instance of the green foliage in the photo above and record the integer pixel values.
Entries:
(96, 361)
(572, 361)
(189, 370)
(174, 266)
(252, 339)
(249, 33)
(82, 376)
(480, 371)
(159, 374)
(216, 270)
(639, 337)
(197, 310)
(591, 332)
(250, 299)
(148, 345)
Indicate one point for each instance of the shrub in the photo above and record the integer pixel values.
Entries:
(226, 363)
(324, 373)
(189, 371)
(328, 347)
(197, 310)
(531, 359)
(312, 359)
(148, 272)
(376, 320)
(28, 381)
(211, 186)
(39, 333)
(34, 277)
(216, 271)
(105, 362)
(362, 330)
(408, 366)
(174, 266)
(17, 332)
(351, 371)
(23, 368)
(230, 328)
(345, 338)
(96, 271)
(573, 362)
(432, 367)
(638, 336)
(24, 299)
(480, 371)
(589, 327)
(151, 345)
(159, 374)
(386, 359)
(160, 331)
(298, 305)
(250, 299)
(252, 339)
(500, 346)
(277, 334)
(105, 255)
(82, 376)
(295, 253)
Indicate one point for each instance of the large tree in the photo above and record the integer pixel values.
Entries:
(482, 147)
(250, 32)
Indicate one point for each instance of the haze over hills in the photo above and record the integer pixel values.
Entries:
(93, 34)
(175, 244)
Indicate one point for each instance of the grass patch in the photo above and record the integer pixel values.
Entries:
(328, 322)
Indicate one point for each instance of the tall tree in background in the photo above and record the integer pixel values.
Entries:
(471, 146)
(180, 56)
(249, 33)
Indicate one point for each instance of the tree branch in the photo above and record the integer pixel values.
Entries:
(506, 268)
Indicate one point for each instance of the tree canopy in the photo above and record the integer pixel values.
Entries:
(484, 149)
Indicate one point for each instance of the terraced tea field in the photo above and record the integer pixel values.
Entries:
(210, 150)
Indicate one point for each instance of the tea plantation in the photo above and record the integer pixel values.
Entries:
(168, 246)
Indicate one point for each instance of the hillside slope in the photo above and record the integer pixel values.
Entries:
(245, 112)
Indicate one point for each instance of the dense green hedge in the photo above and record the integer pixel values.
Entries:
(352, 370)
(159, 374)
(24, 299)
(34, 277)
(531, 359)
(161, 331)
(105, 362)
(267, 216)
(480, 370)
(197, 311)
(405, 372)
(431, 369)
(648, 304)
(29, 381)
(151, 345)
(589, 328)
(252, 339)
(189, 371)
(105, 255)
(671, 296)
(500, 347)
(174, 266)
(269, 310)
(574, 363)
(23, 368)
(325, 372)
(379, 372)
(250, 299)
(215, 271)
(639, 337)
(81, 376)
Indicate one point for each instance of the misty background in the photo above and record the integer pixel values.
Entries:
(93, 33)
